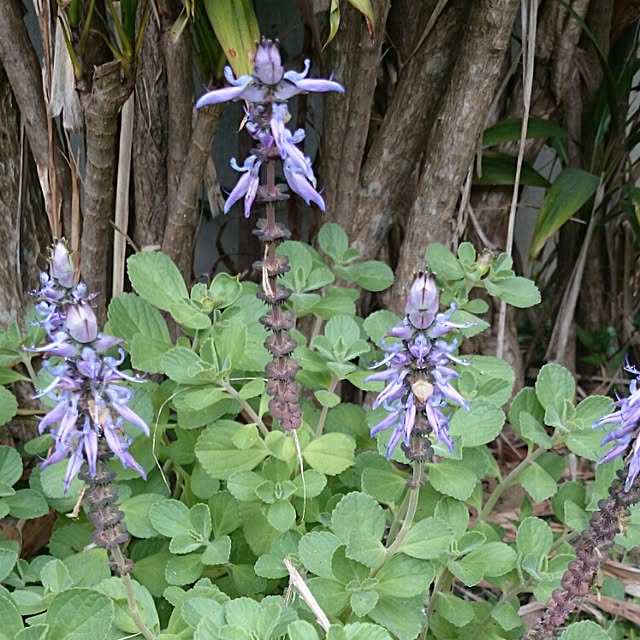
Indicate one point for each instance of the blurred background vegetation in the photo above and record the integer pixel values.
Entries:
(514, 125)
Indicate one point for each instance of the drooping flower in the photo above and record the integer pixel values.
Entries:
(90, 403)
(626, 432)
(418, 370)
(266, 92)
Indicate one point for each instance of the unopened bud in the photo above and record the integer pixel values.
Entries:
(82, 324)
(423, 301)
(61, 265)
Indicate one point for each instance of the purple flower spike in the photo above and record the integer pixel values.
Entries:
(418, 371)
(627, 429)
(90, 402)
(266, 92)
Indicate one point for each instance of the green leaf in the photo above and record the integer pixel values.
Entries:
(129, 314)
(156, 279)
(534, 540)
(403, 617)
(500, 169)
(34, 632)
(404, 577)
(188, 314)
(55, 576)
(231, 338)
(8, 405)
(7, 376)
(363, 601)
(494, 558)
(78, 614)
(218, 451)
(453, 478)
(371, 275)
(359, 522)
(224, 290)
(136, 511)
(517, 291)
(537, 482)
(509, 130)
(570, 191)
(526, 401)
(585, 630)
(455, 610)
(281, 515)
(428, 539)
(9, 615)
(326, 398)
(443, 263)
(480, 424)
(331, 453)
(169, 517)
(217, 551)
(383, 485)
(225, 515)
(185, 367)
(52, 481)
(333, 240)
(10, 465)
(184, 569)
(8, 559)
(378, 323)
(316, 550)
(236, 27)
(147, 352)
(301, 630)
(27, 504)
(554, 386)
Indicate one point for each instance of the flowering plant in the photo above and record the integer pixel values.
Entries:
(270, 473)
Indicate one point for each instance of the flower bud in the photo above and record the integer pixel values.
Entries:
(82, 324)
(423, 301)
(268, 64)
(61, 265)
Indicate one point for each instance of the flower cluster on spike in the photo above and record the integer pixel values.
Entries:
(418, 371)
(90, 403)
(266, 93)
(626, 432)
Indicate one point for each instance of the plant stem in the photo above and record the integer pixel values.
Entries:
(412, 507)
(247, 407)
(508, 480)
(134, 612)
(399, 515)
(325, 410)
(439, 585)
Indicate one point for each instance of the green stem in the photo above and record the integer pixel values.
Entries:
(246, 406)
(412, 507)
(504, 484)
(398, 517)
(440, 584)
(134, 612)
(325, 410)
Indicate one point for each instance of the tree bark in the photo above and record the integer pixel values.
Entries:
(181, 225)
(387, 180)
(345, 136)
(454, 134)
(23, 225)
(150, 142)
(101, 108)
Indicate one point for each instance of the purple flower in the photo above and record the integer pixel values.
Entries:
(626, 422)
(90, 401)
(266, 92)
(417, 375)
(269, 82)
